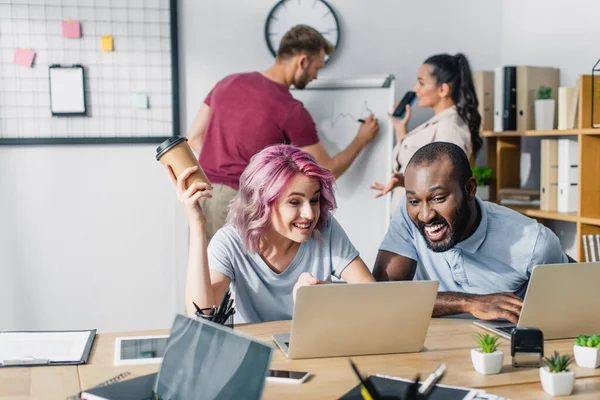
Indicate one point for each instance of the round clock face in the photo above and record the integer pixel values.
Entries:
(289, 13)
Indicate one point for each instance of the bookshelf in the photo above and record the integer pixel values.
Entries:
(503, 156)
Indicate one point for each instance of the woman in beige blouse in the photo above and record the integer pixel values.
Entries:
(445, 84)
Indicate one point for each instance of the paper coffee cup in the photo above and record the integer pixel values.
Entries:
(176, 153)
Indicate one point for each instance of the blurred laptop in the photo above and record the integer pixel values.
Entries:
(561, 301)
(202, 360)
(356, 319)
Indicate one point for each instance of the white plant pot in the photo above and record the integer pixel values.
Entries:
(544, 114)
(587, 357)
(557, 384)
(487, 363)
(483, 192)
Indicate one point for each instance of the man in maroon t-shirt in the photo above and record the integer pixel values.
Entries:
(245, 113)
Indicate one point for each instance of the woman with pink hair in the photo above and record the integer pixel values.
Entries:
(280, 235)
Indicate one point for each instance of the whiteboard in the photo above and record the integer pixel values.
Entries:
(335, 105)
(144, 60)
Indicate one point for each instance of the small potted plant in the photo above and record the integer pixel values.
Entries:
(544, 109)
(487, 359)
(483, 176)
(556, 378)
(587, 351)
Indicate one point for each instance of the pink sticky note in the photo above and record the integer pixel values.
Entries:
(24, 57)
(71, 29)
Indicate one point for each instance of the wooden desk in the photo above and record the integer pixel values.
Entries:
(448, 341)
(38, 383)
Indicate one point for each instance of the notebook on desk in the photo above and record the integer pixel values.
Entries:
(28, 348)
(391, 387)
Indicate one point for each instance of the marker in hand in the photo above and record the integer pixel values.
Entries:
(362, 121)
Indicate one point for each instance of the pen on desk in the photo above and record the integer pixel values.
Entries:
(198, 309)
(224, 301)
(432, 380)
(35, 361)
(368, 391)
(229, 305)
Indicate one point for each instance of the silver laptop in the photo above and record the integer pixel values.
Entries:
(356, 319)
(561, 301)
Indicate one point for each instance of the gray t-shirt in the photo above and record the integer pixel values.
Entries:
(264, 295)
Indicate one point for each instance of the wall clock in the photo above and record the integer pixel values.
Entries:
(289, 13)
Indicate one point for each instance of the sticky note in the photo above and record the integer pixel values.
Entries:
(106, 43)
(24, 57)
(71, 29)
(139, 100)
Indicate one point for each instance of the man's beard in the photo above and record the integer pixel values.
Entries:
(459, 224)
(302, 81)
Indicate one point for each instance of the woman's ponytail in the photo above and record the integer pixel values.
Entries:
(456, 72)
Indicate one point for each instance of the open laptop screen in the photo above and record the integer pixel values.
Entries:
(206, 361)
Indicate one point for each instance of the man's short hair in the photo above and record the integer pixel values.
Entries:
(436, 151)
(303, 39)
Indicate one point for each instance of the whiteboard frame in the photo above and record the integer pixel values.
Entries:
(124, 140)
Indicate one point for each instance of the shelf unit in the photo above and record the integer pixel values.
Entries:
(503, 155)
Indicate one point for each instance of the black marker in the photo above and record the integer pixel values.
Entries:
(362, 121)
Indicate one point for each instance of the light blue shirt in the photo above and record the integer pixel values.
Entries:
(498, 257)
(264, 295)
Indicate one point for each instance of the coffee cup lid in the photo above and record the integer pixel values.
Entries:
(168, 145)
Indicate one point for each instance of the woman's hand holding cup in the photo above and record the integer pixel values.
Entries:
(190, 197)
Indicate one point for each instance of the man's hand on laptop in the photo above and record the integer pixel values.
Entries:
(497, 305)
(305, 279)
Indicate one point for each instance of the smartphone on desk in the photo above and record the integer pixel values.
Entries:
(283, 376)
(408, 99)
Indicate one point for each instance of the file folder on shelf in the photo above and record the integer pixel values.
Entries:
(568, 193)
(528, 81)
(549, 175)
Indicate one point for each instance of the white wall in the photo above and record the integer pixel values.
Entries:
(86, 238)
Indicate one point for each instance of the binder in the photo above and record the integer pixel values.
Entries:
(573, 111)
(484, 89)
(28, 348)
(529, 79)
(509, 117)
(566, 100)
(498, 99)
(586, 252)
(592, 246)
(549, 175)
(568, 193)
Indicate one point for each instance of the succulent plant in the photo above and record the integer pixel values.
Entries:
(588, 341)
(483, 175)
(487, 343)
(544, 93)
(558, 363)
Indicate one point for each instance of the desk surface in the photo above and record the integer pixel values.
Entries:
(448, 341)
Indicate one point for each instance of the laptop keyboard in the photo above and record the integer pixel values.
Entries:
(506, 329)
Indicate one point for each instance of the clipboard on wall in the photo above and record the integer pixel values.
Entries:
(31, 348)
(67, 90)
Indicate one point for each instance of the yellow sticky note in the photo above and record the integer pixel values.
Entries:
(106, 43)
